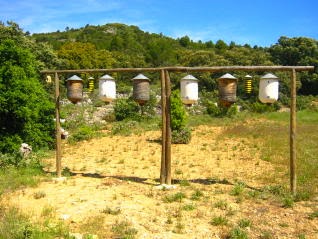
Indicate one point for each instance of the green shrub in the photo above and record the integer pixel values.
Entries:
(178, 113)
(259, 107)
(26, 113)
(182, 136)
(304, 102)
(126, 109)
(84, 132)
(219, 111)
(180, 133)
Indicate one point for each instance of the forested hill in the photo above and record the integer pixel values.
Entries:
(119, 45)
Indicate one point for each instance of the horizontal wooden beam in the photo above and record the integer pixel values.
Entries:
(186, 69)
(240, 68)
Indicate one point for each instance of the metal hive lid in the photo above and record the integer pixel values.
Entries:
(106, 77)
(189, 77)
(75, 77)
(228, 76)
(269, 76)
(141, 77)
(248, 76)
(91, 78)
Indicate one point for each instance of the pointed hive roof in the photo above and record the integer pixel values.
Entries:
(189, 77)
(269, 76)
(228, 76)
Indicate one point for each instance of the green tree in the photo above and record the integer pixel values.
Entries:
(298, 51)
(26, 114)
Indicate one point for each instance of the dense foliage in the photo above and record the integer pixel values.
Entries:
(26, 113)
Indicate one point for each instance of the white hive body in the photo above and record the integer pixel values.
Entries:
(189, 90)
(268, 88)
(107, 88)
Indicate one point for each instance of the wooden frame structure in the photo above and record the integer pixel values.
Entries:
(165, 171)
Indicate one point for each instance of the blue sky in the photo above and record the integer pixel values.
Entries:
(255, 22)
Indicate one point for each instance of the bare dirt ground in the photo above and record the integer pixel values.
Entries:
(117, 175)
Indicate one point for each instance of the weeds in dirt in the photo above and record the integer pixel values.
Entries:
(287, 201)
(15, 225)
(219, 221)
(196, 195)
(39, 194)
(177, 197)
(313, 215)
(93, 225)
(266, 235)
(238, 233)
(238, 189)
(110, 211)
(123, 230)
(221, 204)
(188, 207)
(184, 183)
(244, 223)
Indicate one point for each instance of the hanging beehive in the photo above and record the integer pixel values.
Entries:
(48, 79)
(90, 84)
(189, 89)
(141, 89)
(268, 88)
(107, 88)
(248, 84)
(74, 87)
(227, 89)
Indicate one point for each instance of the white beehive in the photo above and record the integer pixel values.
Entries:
(268, 88)
(107, 88)
(189, 90)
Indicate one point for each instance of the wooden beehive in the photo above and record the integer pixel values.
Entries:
(74, 87)
(227, 89)
(141, 88)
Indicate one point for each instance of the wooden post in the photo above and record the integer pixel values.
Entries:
(293, 133)
(168, 129)
(164, 129)
(58, 127)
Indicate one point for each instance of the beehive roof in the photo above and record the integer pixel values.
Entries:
(189, 77)
(75, 77)
(269, 76)
(248, 76)
(227, 76)
(106, 77)
(141, 77)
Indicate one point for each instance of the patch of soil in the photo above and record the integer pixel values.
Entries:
(120, 173)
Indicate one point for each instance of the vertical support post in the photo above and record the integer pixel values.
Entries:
(293, 133)
(58, 127)
(168, 128)
(164, 128)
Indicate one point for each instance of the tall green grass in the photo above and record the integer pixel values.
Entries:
(16, 225)
(271, 136)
